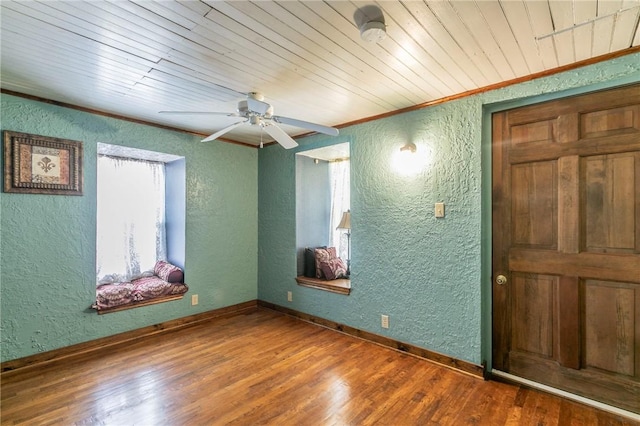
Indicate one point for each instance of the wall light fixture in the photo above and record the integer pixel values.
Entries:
(409, 160)
(409, 147)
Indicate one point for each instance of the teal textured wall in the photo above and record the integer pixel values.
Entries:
(429, 275)
(47, 264)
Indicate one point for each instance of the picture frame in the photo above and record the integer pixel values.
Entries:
(36, 164)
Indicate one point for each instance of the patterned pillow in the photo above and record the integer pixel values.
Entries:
(334, 268)
(168, 272)
(323, 255)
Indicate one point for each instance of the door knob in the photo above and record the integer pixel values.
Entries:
(501, 280)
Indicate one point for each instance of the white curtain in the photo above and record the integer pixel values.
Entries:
(339, 175)
(130, 218)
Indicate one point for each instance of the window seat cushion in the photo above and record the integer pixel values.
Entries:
(151, 287)
(109, 296)
(142, 289)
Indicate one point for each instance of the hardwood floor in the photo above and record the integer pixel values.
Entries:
(264, 367)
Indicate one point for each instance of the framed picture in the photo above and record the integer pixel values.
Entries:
(42, 165)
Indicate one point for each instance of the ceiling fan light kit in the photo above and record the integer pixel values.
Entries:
(373, 31)
(257, 112)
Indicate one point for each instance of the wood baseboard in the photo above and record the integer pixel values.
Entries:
(445, 360)
(128, 336)
(121, 338)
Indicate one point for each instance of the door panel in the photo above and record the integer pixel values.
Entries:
(533, 313)
(612, 313)
(610, 122)
(566, 235)
(611, 222)
(534, 204)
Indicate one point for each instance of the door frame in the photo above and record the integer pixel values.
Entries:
(486, 198)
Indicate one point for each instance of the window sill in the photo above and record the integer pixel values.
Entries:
(340, 286)
(140, 304)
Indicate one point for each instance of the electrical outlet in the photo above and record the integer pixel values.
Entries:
(194, 299)
(289, 296)
(384, 321)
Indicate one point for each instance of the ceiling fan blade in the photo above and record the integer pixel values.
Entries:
(280, 136)
(229, 114)
(257, 106)
(331, 131)
(219, 133)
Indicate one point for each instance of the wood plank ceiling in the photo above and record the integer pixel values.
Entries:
(136, 58)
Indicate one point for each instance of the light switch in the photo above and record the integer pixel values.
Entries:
(439, 209)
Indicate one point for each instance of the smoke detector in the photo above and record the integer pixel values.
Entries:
(373, 31)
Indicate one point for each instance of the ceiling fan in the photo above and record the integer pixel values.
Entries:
(255, 111)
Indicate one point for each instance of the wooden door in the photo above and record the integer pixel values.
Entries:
(566, 238)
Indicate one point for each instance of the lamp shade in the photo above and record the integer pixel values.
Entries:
(345, 222)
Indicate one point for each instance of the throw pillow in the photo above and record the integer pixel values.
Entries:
(310, 262)
(334, 268)
(168, 272)
(323, 255)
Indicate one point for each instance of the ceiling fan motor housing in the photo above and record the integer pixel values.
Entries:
(244, 111)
